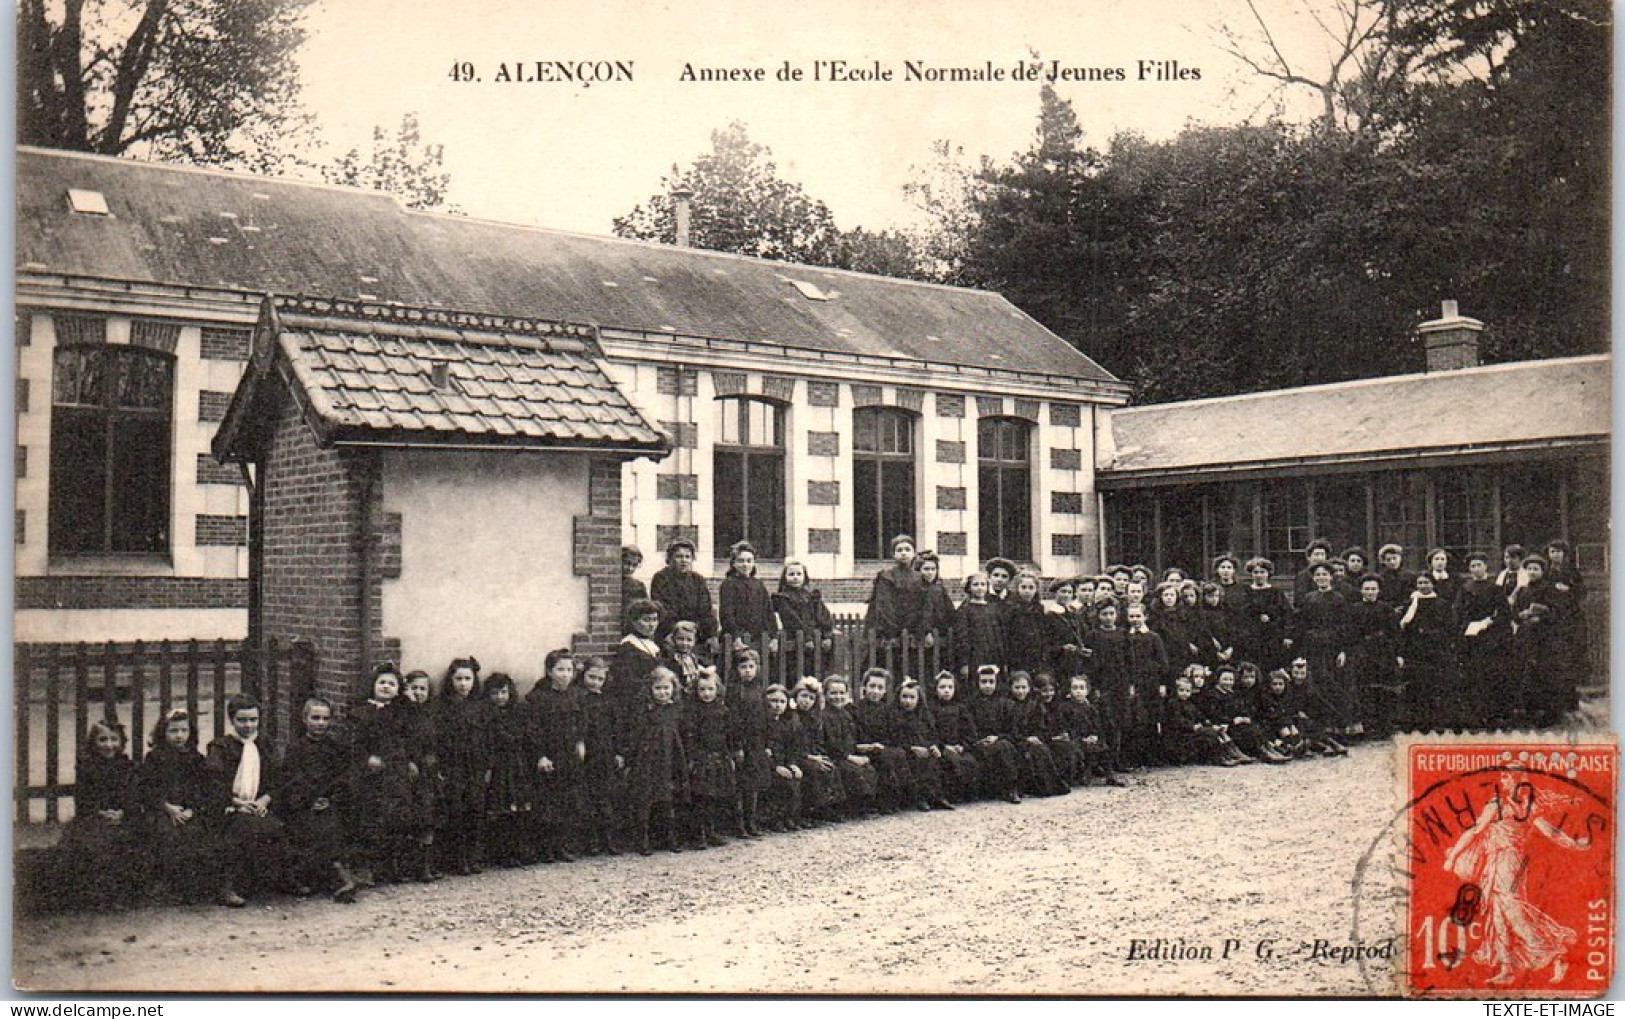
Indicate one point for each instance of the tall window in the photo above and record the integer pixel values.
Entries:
(1131, 527)
(883, 478)
(1286, 523)
(748, 475)
(110, 450)
(1004, 454)
(1401, 499)
(1465, 514)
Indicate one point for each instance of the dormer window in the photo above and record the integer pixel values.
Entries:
(90, 203)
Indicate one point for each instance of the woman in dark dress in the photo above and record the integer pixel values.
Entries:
(1483, 643)
(1321, 623)
(747, 609)
(683, 594)
(1264, 618)
(1426, 642)
(898, 594)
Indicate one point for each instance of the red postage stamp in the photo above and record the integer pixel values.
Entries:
(1507, 847)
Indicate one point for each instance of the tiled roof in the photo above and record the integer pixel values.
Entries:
(1563, 401)
(176, 225)
(413, 376)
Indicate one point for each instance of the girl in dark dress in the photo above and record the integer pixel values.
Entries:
(99, 861)
(784, 754)
(1483, 641)
(1322, 625)
(1145, 675)
(989, 717)
(180, 803)
(747, 608)
(636, 656)
(708, 739)
(1031, 634)
(1227, 577)
(385, 808)
(1076, 720)
(1110, 670)
(1187, 738)
(1068, 756)
(917, 736)
(1426, 635)
(978, 630)
(806, 621)
(821, 784)
(313, 803)
(1372, 657)
(1217, 628)
(1445, 584)
(1572, 636)
(898, 594)
(1039, 775)
(462, 729)
(860, 783)
(1177, 625)
(1278, 717)
(417, 726)
(936, 605)
(681, 655)
(511, 792)
(877, 739)
(748, 709)
(681, 594)
(1264, 617)
(657, 766)
(558, 746)
(956, 735)
(603, 770)
(1538, 653)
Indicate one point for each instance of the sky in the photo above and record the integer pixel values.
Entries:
(561, 155)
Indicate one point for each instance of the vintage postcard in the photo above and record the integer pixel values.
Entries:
(874, 498)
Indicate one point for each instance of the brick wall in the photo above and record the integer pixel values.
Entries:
(312, 560)
(131, 593)
(597, 556)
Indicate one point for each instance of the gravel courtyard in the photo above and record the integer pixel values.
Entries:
(1046, 897)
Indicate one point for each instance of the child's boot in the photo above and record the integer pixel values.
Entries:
(347, 883)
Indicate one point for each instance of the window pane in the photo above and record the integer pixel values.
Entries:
(896, 500)
(1340, 512)
(1530, 514)
(764, 509)
(1286, 524)
(728, 494)
(142, 381)
(1130, 527)
(141, 485)
(865, 430)
(1465, 510)
(1401, 504)
(1005, 512)
(77, 376)
(727, 422)
(1182, 531)
(78, 480)
(867, 542)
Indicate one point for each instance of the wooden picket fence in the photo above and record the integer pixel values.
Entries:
(60, 687)
(848, 651)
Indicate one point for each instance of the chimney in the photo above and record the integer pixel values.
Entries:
(1451, 340)
(680, 197)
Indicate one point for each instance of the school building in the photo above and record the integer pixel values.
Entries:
(1463, 456)
(812, 411)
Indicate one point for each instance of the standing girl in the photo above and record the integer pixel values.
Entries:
(708, 741)
(978, 631)
(1032, 635)
(747, 608)
(601, 785)
(748, 709)
(385, 808)
(462, 740)
(657, 766)
(805, 619)
(558, 748)
(511, 790)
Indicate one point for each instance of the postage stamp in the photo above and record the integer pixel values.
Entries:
(1504, 846)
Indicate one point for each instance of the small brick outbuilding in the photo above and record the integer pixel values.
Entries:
(427, 484)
